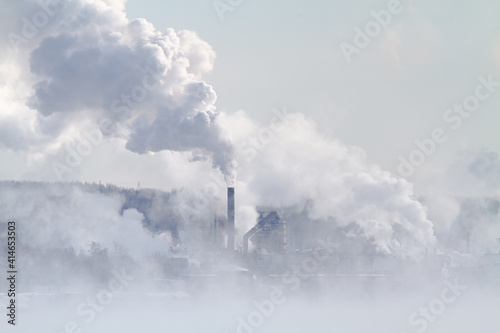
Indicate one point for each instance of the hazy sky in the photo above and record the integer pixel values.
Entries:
(287, 54)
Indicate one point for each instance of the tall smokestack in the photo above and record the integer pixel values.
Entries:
(230, 218)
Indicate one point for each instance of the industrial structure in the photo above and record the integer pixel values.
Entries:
(230, 219)
(269, 234)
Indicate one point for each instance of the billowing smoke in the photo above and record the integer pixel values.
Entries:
(464, 201)
(137, 83)
(298, 169)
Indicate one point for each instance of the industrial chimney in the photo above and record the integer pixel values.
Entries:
(230, 218)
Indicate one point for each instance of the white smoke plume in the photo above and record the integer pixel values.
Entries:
(302, 169)
(138, 83)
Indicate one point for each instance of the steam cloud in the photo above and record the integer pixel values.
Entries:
(67, 215)
(96, 64)
(303, 170)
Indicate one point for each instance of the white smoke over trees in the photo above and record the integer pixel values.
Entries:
(61, 215)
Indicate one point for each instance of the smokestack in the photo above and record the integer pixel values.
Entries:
(230, 218)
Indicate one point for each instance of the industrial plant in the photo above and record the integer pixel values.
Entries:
(278, 248)
(280, 245)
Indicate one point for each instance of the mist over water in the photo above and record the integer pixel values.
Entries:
(351, 309)
(156, 279)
